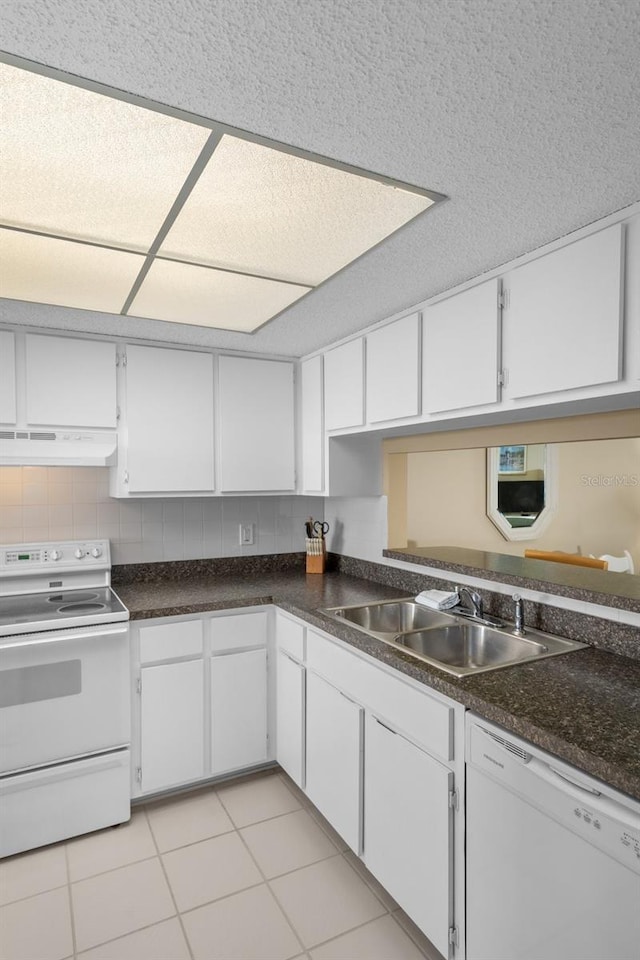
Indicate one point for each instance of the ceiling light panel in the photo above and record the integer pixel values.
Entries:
(47, 270)
(82, 164)
(264, 211)
(184, 293)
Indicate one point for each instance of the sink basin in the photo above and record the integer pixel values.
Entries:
(448, 641)
(469, 647)
(391, 617)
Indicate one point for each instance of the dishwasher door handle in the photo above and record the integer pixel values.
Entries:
(575, 783)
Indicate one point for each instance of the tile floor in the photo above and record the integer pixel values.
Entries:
(245, 871)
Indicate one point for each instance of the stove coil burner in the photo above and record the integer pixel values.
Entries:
(85, 606)
(72, 596)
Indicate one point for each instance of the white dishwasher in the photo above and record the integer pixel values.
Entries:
(553, 857)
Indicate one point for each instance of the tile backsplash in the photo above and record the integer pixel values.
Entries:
(73, 503)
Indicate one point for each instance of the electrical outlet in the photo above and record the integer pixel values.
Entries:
(246, 534)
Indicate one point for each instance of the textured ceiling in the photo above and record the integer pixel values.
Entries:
(525, 113)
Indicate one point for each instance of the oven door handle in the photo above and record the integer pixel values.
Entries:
(62, 636)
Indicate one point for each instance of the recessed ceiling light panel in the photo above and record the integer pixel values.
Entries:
(112, 203)
(80, 164)
(268, 212)
(48, 270)
(184, 293)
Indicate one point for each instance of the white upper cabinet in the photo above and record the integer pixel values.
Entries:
(393, 370)
(256, 425)
(169, 420)
(563, 325)
(460, 350)
(70, 383)
(344, 386)
(311, 426)
(7, 377)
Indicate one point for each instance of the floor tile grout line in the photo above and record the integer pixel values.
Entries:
(121, 866)
(170, 888)
(30, 896)
(272, 892)
(72, 916)
(350, 929)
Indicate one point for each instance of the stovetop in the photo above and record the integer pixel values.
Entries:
(55, 586)
(59, 610)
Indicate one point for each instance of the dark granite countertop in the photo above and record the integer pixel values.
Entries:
(621, 590)
(582, 706)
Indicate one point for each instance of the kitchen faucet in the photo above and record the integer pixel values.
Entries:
(474, 608)
(475, 600)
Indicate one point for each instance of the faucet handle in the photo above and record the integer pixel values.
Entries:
(518, 615)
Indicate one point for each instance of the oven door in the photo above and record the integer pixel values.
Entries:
(63, 694)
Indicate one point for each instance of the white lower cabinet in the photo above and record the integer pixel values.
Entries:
(238, 710)
(378, 754)
(290, 716)
(192, 723)
(408, 828)
(385, 766)
(334, 758)
(172, 724)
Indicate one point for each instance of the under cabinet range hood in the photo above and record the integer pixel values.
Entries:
(28, 448)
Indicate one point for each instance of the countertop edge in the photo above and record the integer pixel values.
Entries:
(459, 690)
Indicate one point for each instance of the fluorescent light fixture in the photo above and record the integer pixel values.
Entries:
(76, 163)
(267, 212)
(112, 203)
(48, 270)
(186, 293)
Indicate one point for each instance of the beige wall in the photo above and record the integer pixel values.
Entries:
(598, 511)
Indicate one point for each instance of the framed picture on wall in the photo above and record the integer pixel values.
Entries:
(512, 460)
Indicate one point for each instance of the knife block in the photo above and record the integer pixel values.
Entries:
(316, 556)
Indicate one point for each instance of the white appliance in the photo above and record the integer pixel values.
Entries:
(553, 856)
(64, 694)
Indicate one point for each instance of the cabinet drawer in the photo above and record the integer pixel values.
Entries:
(168, 641)
(290, 636)
(419, 715)
(240, 630)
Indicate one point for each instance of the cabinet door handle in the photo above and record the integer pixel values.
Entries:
(394, 732)
(289, 657)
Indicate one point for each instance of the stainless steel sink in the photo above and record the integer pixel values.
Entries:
(391, 617)
(447, 641)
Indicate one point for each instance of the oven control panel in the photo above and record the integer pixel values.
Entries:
(34, 557)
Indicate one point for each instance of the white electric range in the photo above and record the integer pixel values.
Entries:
(64, 694)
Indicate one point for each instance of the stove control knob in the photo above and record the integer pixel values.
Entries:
(96, 552)
(55, 554)
(78, 553)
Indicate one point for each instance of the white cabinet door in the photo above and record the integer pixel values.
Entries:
(562, 328)
(344, 386)
(460, 350)
(238, 710)
(70, 383)
(290, 716)
(172, 725)
(408, 842)
(256, 424)
(7, 377)
(334, 758)
(393, 370)
(169, 420)
(311, 426)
